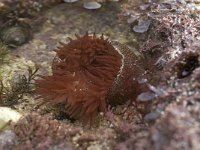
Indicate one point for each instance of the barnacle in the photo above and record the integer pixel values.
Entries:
(83, 73)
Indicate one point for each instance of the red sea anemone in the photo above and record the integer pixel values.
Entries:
(86, 72)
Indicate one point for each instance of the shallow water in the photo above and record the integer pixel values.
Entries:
(66, 20)
(63, 21)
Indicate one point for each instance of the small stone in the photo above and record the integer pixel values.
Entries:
(91, 5)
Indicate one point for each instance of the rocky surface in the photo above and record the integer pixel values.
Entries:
(166, 116)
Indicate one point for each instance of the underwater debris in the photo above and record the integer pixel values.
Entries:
(10, 96)
(88, 73)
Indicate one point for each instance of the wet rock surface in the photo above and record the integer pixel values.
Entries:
(167, 115)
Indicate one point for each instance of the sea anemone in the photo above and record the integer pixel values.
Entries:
(87, 72)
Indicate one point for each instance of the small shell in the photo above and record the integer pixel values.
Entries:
(142, 26)
(145, 96)
(70, 1)
(91, 5)
(15, 36)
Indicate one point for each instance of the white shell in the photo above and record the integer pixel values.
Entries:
(70, 1)
(7, 115)
(91, 5)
